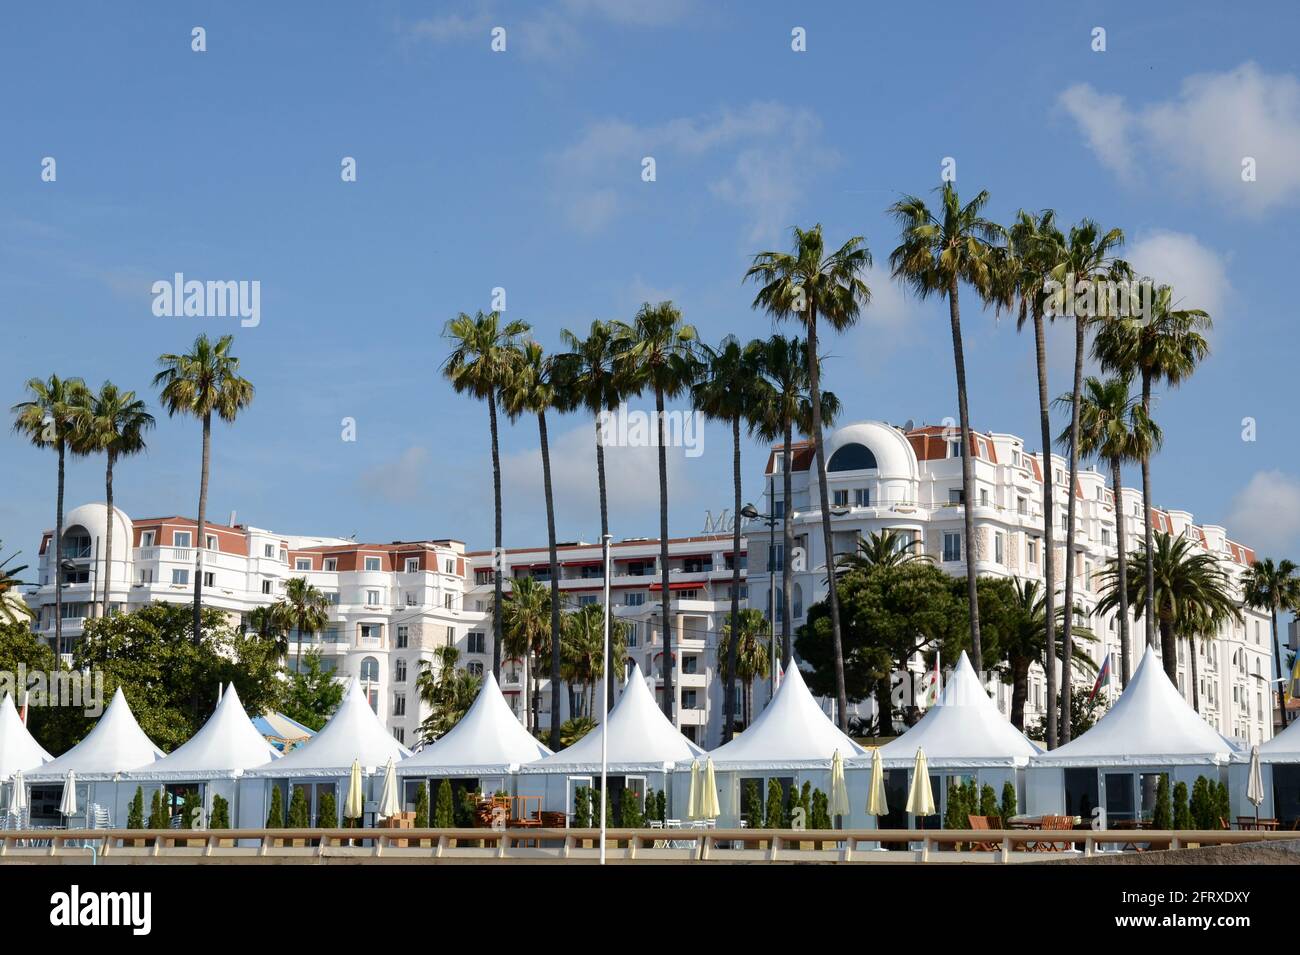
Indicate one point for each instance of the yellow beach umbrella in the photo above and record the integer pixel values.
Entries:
(876, 804)
(709, 808)
(920, 798)
(693, 801)
(837, 803)
(354, 807)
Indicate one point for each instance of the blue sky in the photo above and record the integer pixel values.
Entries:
(522, 170)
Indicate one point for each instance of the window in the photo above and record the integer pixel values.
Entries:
(144, 575)
(633, 628)
(209, 579)
(399, 671)
(999, 548)
(475, 668)
(372, 563)
(410, 598)
(332, 598)
(268, 550)
(586, 600)
(372, 598)
(955, 495)
(1031, 550)
(1058, 476)
(840, 498)
(268, 586)
(984, 497)
(476, 642)
(1022, 506)
(412, 565)
(399, 734)
(284, 555)
(690, 663)
(147, 538)
(633, 599)
(212, 541)
(1105, 535)
(370, 632)
(332, 564)
(449, 601)
(180, 575)
(403, 636)
(954, 448)
(862, 497)
(399, 704)
(852, 457)
(449, 566)
(689, 700)
(951, 547)
(778, 510)
(181, 539)
(697, 565)
(369, 670)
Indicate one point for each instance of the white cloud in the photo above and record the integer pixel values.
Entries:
(1197, 274)
(1203, 134)
(1265, 514)
(400, 481)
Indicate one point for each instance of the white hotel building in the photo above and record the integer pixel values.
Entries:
(884, 477)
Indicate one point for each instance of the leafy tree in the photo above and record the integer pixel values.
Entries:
(220, 818)
(753, 805)
(661, 806)
(1162, 815)
(135, 812)
(1008, 807)
(821, 815)
(443, 814)
(774, 816)
(806, 802)
(191, 809)
(1200, 807)
(299, 813)
(1273, 587)
(447, 690)
(1222, 806)
(160, 816)
(988, 801)
(275, 818)
(327, 810)
(633, 816)
(422, 807)
(57, 728)
(1182, 813)
(582, 807)
(312, 694)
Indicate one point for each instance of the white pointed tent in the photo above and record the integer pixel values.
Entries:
(226, 745)
(488, 740)
(354, 732)
(964, 730)
(1278, 759)
(1149, 725)
(1282, 748)
(19, 751)
(116, 745)
(791, 733)
(640, 739)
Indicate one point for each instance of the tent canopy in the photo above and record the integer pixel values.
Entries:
(354, 732)
(963, 729)
(791, 733)
(282, 732)
(115, 745)
(487, 740)
(1149, 725)
(640, 739)
(1282, 748)
(19, 750)
(225, 746)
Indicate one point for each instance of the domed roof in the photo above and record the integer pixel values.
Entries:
(891, 449)
(94, 518)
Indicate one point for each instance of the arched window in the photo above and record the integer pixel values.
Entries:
(852, 457)
(369, 670)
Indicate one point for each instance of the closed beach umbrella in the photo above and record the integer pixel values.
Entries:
(1255, 787)
(18, 800)
(920, 798)
(709, 808)
(354, 806)
(69, 804)
(388, 803)
(876, 804)
(837, 803)
(693, 803)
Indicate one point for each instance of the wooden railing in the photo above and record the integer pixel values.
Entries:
(119, 846)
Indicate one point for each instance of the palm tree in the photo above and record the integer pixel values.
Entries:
(731, 389)
(1272, 587)
(204, 381)
(307, 610)
(1032, 249)
(272, 623)
(483, 358)
(446, 690)
(1086, 261)
(887, 549)
(526, 622)
(1163, 346)
(1191, 592)
(1022, 642)
(48, 418)
(1113, 428)
(788, 406)
(749, 654)
(114, 422)
(657, 351)
(809, 285)
(13, 608)
(935, 254)
(584, 645)
(530, 391)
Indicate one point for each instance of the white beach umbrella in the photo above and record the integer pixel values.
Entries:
(837, 803)
(876, 804)
(920, 798)
(18, 798)
(354, 805)
(389, 804)
(1255, 787)
(693, 802)
(709, 808)
(69, 804)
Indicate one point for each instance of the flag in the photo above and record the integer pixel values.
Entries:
(936, 682)
(1103, 678)
(780, 674)
(1289, 689)
(23, 712)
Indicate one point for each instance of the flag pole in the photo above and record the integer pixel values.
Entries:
(604, 699)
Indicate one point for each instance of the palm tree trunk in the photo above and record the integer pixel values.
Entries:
(837, 641)
(1019, 691)
(1148, 535)
(498, 555)
(787, 540)
(666, 664)
(604, 530)
(1049, 532)
(1071, 509)
(58, 558)
(967, 479)
(1169, 650)
(729, 691)
(108, 533)
(1196, 680)
(555, 583)
(1125, 651)
(200, 541)
(1277, 671)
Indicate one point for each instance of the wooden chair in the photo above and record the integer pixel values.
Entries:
(1225, 824)
(984, 823)
(1056, 823)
